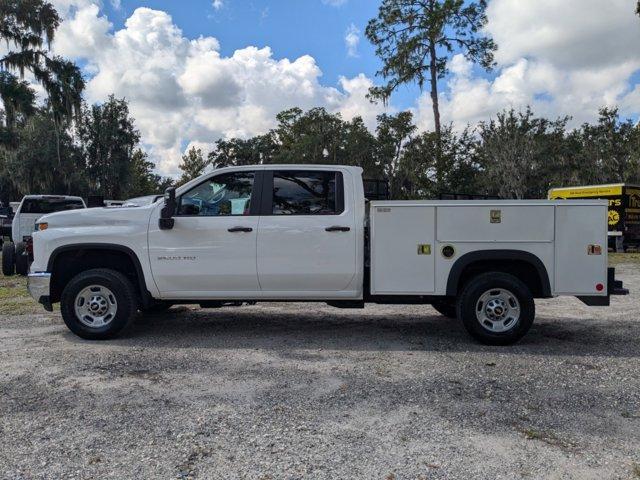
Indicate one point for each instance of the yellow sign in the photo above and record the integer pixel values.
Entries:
(614, 217)
(582, 192)
(634, 197)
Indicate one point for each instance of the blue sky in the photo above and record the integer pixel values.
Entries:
(199, 70)
(292, 28)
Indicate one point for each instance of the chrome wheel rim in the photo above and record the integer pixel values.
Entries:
(96, 306)
(498, 310)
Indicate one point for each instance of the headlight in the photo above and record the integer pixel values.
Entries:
(41, 226)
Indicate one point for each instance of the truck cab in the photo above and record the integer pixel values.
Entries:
(307, 233)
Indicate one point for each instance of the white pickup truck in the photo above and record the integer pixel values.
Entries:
(305, 233)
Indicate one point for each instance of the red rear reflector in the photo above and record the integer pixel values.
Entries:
(599, 287)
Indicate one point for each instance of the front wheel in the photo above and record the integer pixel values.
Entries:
(98, 304)
(496, 308)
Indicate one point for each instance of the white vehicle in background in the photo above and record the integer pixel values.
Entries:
(17, 254)
(306, 233)
(142, 201)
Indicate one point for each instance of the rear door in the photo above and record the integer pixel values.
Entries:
(307, 234)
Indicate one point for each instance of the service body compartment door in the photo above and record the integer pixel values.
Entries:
(402, 250)
(510, 223)
(580, 228)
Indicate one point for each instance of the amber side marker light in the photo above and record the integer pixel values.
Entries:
(43, 226)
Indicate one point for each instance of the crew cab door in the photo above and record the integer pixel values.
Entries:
(307, 234)
(211, 250)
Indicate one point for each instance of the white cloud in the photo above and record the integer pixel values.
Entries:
(567, 33)
(355, 102)
(335, 3)
(217, 4)
(116, 4)
(184, 92)
(562, 57)
(352, 40)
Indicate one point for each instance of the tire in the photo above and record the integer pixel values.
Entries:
(100, 288)
(160, 307)
(8, 259)
(496, 308)
(445, 308)
(22, 260)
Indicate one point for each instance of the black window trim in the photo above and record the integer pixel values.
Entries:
(266, 201)
(256, 193)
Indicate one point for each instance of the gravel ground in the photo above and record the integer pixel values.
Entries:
(307, 391)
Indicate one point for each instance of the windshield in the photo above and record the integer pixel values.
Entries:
(50, 205)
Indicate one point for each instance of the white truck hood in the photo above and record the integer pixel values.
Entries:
(99, 217)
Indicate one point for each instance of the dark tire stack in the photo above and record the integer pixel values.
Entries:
(8, 259)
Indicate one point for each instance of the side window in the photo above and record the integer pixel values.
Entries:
(297, 192)
(223, 195)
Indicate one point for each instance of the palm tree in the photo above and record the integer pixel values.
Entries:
(28, 28)
(17, 97)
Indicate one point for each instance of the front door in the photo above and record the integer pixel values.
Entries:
(211, 251)
(307, 234)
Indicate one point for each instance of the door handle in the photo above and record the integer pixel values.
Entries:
(240, 229)
(336, 228)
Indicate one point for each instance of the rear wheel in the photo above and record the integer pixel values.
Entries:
(445, 308)
(496, 308)
(98, 304)
(22, 259)
(8, 259)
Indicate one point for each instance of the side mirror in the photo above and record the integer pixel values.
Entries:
(166, 220)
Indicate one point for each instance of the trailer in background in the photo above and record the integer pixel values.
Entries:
(624, 210)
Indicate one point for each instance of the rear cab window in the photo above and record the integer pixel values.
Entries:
(50, 205)
(306, 192)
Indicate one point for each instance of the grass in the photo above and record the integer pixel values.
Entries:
(14, 297)
(619, 258)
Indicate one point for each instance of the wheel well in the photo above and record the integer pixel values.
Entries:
(69, 263)
(522, 269)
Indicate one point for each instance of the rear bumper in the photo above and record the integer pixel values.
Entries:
(614, 287)
(39, 286)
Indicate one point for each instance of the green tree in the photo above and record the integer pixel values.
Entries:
(192, 166)
(236, 151)
(415, 40)
(308, 137)
(108, 138)
(143, 180)
(359, 149)
(520, 153)
(610, 149)
(33, 166)
(416, 173)
(18, 99)
(392, 134)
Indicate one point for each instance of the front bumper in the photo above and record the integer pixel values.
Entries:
(39, 285)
